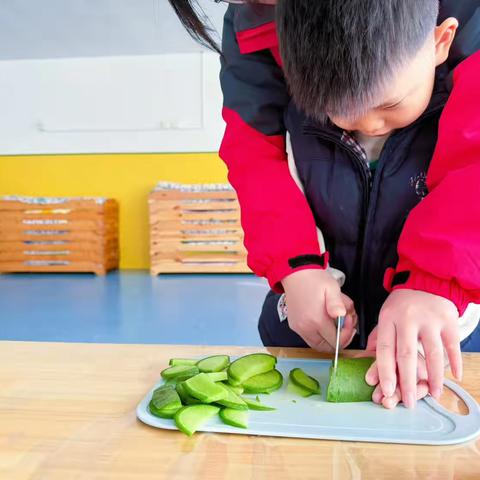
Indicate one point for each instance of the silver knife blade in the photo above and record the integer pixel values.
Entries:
(340, 321)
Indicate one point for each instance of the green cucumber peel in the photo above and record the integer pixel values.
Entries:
(249, 366)
(215, 363)
(179, 371)
(190, 419)
(298, 377)
(264, 383)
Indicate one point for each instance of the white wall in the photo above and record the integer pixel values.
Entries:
(88, 76)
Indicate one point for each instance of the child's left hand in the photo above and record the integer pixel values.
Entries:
(407, 318)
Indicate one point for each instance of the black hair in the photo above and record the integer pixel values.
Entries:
(195, 21)
(339, 54)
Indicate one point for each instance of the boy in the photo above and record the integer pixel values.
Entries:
(371, 82)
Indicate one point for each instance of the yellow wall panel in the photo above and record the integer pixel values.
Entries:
(127, 177)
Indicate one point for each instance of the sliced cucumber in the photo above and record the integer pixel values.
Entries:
(256, 404)
(186, 398)
(165, 402)
(349, 385)
(301, 379)
(295, 389)
(182, 361)
(201, 386)
(250, 365)
(218, 376)
(238, 390)
(213, 364)
(232, 400)
(264, 383)
(190, 419)
(235, 418)
(180, 371)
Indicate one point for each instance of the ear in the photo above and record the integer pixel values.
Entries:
(444, 36)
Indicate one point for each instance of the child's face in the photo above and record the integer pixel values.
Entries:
(409, 95)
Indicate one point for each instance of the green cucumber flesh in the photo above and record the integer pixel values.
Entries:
(232, 400)
(234, 418)
(256, 405)
(264, 383)
(348, 384)
(201, 386)
(186, 398)
(165, 402)
(302, 380)
(182, 361)
(216, 363)
(182, 371)
(300, 391)
(238, 390)
(190, 419)
(251, 365)
(218, 376)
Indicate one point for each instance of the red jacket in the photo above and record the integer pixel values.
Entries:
(443, 258)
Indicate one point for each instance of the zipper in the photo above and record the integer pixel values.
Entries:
(388, 147)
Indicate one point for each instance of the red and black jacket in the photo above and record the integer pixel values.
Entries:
(280, 228)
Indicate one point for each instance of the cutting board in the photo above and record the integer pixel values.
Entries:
(313, 417)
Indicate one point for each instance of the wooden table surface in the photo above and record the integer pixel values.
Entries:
(67, 411)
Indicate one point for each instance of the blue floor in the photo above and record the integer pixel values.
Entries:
(131, 307)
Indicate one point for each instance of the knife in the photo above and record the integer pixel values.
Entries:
(340, 321)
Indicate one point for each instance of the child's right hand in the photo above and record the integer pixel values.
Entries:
(314, 302)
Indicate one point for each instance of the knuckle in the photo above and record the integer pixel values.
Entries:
(406, 352)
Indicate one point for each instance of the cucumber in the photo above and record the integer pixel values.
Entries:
(165, 402)
(213, 364)
(182, 361)
(235, 418)
(179, 371)
(256, 405)
(201, 386)
(250, 365)
(218, 376)
(238, 390)
(300, 391)
(299, 378)
(349, 384)
(232, 400)
(264, 383)
(184, 395)
(190, 419)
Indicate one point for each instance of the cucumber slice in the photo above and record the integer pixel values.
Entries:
(256, 405)
(250, 365)
(232, 400)
(235, 418)
(349, 384)
(218, 376)
(184, 395)
(300, 391)
(182, 361)
(190, 419)
(304, 381)
(238, 390)
(201, 386)
(165, 402)
(182, 371)
(264, 383)
(213, 364)
(233, 383)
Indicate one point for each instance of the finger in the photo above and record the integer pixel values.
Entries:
(421, 369)
(407, 353)
(451, 343)
(393, 401)
(333, 301)
(372, 340)
(318, 343)
(372, 375)
(348, 302)
(433, 347)
(385, 353)
(422, 389)
(377, 395)
(348, 331)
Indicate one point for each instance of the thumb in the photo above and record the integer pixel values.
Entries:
(333, 301)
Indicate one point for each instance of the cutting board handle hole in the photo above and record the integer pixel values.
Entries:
(452, 402)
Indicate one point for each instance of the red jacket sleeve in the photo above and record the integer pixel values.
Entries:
(276, 217)
(439, 248)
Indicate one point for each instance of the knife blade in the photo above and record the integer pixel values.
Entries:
(340, 321)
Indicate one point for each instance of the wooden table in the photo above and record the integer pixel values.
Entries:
(67, 411)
